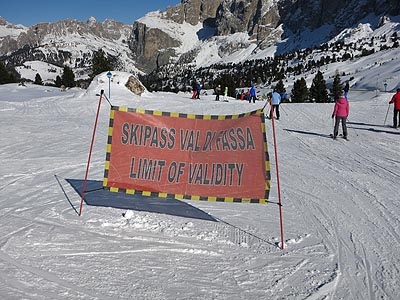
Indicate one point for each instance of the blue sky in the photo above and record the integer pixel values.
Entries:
(30, 12)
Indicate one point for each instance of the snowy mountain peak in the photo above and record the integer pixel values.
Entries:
(10, 30)
(92, 21)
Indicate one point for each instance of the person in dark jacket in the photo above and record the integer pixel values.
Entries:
(396, 112)
(218, 91)
(198, 89)
(340, 113)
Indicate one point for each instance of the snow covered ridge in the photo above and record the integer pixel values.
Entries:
(68, 42)
(10, 30)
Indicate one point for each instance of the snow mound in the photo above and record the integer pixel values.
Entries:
(120, 83)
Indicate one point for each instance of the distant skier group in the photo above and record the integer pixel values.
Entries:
(340, 112)
(342, 109)
(196, 91)
(218, 91)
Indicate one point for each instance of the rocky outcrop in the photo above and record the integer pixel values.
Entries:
(151, 46)
(193, 11)
(135, 86)
(254, 17)
(304, 14)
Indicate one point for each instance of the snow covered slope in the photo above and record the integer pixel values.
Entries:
(340, 208)
(11, 30)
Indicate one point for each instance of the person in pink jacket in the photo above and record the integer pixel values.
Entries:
(396, 112)
(340, 113)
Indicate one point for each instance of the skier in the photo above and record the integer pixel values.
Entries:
(237, 94)
(340, 113)
(252, 94)
(242, 95)
(194, 94)
(275, 101)
(396, 111)
(247, 96)
(217, 92)
(226, 94)
(198, 89)
(284, 96)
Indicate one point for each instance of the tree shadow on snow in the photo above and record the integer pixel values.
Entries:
(95, 195)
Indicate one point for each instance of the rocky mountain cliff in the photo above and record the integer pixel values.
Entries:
(265, 22)
(67, 42)
(196, 32)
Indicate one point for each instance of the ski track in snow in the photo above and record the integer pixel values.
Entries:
(352, 255)
(340, 212)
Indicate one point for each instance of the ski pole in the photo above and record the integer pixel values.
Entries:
(266, 103)
(355, 131)
(90, 153)
(384, 123)
(283, 110)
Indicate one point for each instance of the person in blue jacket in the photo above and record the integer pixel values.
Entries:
(198, 89)
(275, 101)
(253, 94)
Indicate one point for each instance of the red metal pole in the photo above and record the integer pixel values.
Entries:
(277, 174)
(90, 153)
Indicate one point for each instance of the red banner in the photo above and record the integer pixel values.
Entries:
(215, 158)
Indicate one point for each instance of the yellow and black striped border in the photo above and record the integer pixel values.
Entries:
(259, 112)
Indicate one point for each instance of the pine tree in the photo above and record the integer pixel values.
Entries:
(280, 87)
(68, 77)
(227, 81)
(5, 76)
(300, 91)
(38, 79)
(58, 81)
(337, 87)
(318, 92)
(100, 63)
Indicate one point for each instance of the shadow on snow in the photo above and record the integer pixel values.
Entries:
(308, 133)
(351, 127)
(373, 129)
(95, 195)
